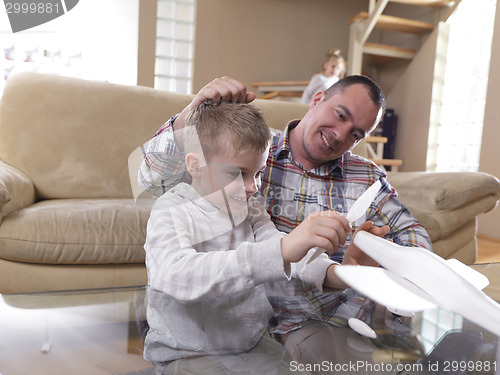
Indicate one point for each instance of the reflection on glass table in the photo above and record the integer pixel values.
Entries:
(78, 332)
(101, 332)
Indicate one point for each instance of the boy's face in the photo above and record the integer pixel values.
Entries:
(230, 179)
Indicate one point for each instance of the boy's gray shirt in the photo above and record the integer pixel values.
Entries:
(206, 292)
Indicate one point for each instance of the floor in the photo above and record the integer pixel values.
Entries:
(488, 249)
(78, 336)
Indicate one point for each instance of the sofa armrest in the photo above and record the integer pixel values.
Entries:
(444, 202)
(444, 191)
(16, 190)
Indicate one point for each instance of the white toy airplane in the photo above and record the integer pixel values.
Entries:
(414, 279)
(357, 211)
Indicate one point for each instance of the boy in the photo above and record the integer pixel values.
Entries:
(211, 246)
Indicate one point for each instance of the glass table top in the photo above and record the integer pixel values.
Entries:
(75, 332)
(100, 332)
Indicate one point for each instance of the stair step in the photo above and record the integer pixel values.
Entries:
(429, 3)
(392, 23)
(388, 51)
(285, 94)
(388, 162)
(376, 139)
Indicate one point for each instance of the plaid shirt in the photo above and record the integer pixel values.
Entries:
(290, 193)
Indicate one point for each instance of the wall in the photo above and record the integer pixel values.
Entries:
(266, 40)
(489, 224)
(146, 43)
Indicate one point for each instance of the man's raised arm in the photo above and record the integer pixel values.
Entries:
(162, 164)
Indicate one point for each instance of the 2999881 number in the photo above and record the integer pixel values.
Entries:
(462, 366)
(38, 8)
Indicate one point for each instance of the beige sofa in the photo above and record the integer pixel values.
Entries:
(68, 217)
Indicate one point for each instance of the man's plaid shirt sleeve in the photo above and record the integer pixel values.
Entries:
(162, 165)
(403, 228)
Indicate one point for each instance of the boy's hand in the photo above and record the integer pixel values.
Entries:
(220, 89)
(353, 255)
(325, 229)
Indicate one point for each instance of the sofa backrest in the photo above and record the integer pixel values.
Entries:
(73, 137)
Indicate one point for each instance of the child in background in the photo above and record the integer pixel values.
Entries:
(211, 247)
(333, 70)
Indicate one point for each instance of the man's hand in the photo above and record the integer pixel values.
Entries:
(224, 89)
(353, 255)
(325, 229)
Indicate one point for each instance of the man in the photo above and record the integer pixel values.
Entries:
(310, 168)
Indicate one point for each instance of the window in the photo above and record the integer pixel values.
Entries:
(455, 137)
(174, 45)
(85, 43)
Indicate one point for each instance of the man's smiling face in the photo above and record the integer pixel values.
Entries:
(333, 126)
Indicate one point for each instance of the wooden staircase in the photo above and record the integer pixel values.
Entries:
(376, 154)
(363, 24)
(366, 54)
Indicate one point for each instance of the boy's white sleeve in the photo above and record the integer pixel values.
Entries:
(312, 273)
(176, 268)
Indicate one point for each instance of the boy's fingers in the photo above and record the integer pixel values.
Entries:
(334, 237)
(334, 215)
(335, 222)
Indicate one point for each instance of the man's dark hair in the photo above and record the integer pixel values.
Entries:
(376, 94)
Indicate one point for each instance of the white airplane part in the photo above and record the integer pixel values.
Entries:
(442, 284)
(475, 278)
(362, 204)
(392, 290)
(385, 287)
(361, 327)
(399, 312)
(357, 211)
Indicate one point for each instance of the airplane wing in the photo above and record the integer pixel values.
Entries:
(385, 287)
(443, 283)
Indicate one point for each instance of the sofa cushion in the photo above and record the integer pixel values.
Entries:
(78, 133)
(16, 190)
(441, 223)
(467, 254)
(75, 231)
(446, 246)
(444, 190)
(20, 277)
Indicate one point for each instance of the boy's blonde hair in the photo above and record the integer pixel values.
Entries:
(222, 127)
